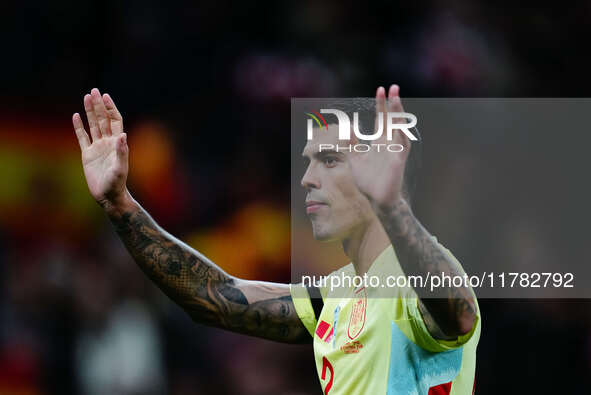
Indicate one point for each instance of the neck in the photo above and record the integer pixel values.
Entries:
(365, 245)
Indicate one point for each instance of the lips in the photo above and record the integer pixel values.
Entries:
(313, 206)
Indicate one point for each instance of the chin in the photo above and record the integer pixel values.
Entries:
(323, 237)
(321, 234)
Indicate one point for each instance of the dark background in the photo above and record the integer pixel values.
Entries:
(77, 316)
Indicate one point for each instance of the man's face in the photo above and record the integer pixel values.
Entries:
(334, 204)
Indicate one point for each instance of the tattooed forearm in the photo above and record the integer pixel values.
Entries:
(208, 294)
(449, 311)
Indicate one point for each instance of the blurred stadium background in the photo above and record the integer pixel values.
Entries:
(78, 317)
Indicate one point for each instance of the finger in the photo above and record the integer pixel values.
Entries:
(380, 100)
(114, 115)
(380, 109)
(402, 139)
(101, 112)
(394, 90)
(90, 115)
(83, 139)
(395, 105)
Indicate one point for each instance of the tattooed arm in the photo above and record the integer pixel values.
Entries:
(205, 291)
(451, 311)
(208, 294)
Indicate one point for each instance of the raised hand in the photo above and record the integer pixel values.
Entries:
(105, 158)
(379, 174)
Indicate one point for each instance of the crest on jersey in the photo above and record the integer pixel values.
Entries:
(358, 312)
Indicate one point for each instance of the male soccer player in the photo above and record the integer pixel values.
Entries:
(365, 341)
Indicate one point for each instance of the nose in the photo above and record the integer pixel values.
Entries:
(309, 180)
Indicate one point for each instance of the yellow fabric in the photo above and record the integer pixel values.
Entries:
(377, 334)
(303, 306)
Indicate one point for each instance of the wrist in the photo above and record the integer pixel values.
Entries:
(396, 217)
(393, 209)
(116, 206)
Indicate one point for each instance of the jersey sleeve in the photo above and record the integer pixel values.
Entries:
(423, 337)
(303, 306)
(302, 301)
(417, 330)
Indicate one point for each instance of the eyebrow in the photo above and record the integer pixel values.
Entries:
(320, 155)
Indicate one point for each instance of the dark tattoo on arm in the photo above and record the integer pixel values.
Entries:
(449, 312)
(208, 294)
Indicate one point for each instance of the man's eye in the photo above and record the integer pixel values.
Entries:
(330, 161)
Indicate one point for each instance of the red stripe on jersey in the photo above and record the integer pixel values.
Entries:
(322, 328)
(441, 389)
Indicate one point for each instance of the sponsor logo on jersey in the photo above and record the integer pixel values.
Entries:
(352, 347)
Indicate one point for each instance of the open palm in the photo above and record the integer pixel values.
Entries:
(105, 159)
(379, 173)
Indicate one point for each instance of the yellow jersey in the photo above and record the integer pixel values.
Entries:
(374, 341)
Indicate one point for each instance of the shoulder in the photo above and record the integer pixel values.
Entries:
(334, 279)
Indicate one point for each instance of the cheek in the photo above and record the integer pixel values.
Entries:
(344, 194)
